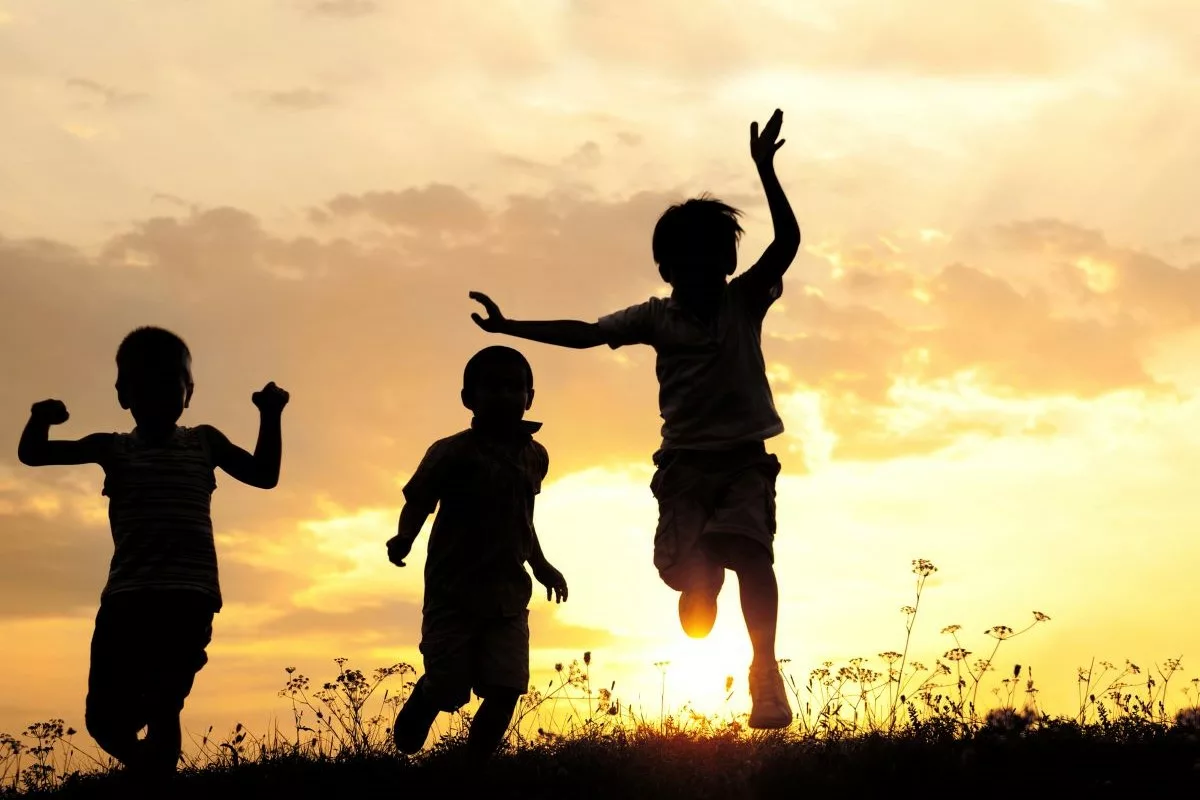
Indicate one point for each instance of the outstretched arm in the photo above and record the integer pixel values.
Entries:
(37, 450)
(563, 333)
(262, 468)
(770, 268)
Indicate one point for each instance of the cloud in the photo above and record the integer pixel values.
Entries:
(301, 99)
(434, 207)
(1057, 312)
(1021, 38)
(106, 96)
(891, 345)
(366, 321)
(347, 9)
(588, 156)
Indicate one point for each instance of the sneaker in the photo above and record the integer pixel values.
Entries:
(698, 604)
(769, 708)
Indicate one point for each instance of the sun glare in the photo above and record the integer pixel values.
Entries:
(696, 672)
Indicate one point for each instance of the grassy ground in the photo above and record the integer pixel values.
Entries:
(884, 727)
(1053, 759)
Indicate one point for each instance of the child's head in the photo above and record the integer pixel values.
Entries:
(696, 240)
(498, 384)
(154, 376)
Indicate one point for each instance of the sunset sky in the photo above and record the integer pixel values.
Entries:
(985, 354)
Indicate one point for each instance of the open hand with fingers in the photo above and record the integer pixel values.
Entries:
(271, 399)
(494, 320)
(763, 145)
(553, 580)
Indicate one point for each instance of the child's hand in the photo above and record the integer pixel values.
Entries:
(553, 580)
(271, 399)
(50, 412)
(763, 146)
(398, 550)
(494, 318)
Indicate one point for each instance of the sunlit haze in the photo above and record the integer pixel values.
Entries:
(985, 354)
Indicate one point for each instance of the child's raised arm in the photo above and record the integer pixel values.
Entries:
(37, 450)
(563, 333)
(261, 469)
(775, 260)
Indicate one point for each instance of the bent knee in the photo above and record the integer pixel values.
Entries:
(446, 696)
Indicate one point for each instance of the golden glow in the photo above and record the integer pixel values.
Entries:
(929, 235)
(949, 388)
(1101, 277)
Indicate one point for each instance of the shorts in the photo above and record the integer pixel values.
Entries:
(465, 652)
(146, 650)
(702, 493)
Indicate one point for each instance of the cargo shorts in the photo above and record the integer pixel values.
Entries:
(463, 652)
(702, 493)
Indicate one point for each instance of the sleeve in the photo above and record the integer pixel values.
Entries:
(756, 295)
(633, 325)
(540, 468)
(427, 485)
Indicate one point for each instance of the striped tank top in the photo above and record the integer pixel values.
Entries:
(159, 507)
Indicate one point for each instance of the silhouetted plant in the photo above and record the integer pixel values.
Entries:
(349, 717)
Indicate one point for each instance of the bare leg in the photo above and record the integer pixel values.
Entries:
(416, 717)
(698, 602)
(490, 723)
(118, 742)
(759, 592)
(160, 748)
(758, 589)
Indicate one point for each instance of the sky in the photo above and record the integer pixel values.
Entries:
(984, 354)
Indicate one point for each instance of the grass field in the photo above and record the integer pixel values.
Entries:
(882, 726)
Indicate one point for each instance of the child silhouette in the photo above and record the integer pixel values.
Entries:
(475, 617)
(715, 481)
(156, 610)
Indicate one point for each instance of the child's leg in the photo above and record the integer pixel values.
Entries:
(491, 722)
(684, 506)
(416, 717)
(501, 676)
(741, 536)
(163, 743)
(446, 636)
(757, 587)
(113, 711)
(180, 624)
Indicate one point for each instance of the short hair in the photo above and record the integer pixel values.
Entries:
(496, 355)
(149, 349)
(688, 229)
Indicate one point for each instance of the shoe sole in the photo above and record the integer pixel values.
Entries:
(776, 724)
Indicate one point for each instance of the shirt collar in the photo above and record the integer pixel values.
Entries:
(525, 426)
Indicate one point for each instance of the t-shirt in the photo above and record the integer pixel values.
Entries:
(159, 508)
(483, 532)
(713, 391)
